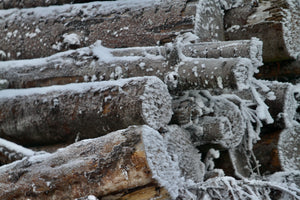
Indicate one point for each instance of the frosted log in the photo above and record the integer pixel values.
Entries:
(136, 157)
(43, 31)
(63, 113)
(274, 22)
(7, 4)
(209, 21)
(210, 120)
(10, 152)
(251, 49)
(289, 148)
(97, 63)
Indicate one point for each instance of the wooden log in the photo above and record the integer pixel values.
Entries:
(61, 113)
(7, 4)
(289, 148)
(251, 49)
(10, 152)
(274, 22)
(209, 21)
(117, 162)
(99, 63)
(41, 32)
(209, 119)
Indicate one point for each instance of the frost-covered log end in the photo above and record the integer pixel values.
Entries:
(157, 104)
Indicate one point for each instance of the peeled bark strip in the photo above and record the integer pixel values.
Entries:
(209, 21)
(251, 49)
(7, 4)
(100, 63)
(62, 113)
(116, 23)
(275, 22)
(115, 163)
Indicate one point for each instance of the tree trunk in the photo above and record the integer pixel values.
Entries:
(7, 4)
(61, 113)
(99, 63)
(251, 49)
(275, 22)
(118, 162)
(116, 23)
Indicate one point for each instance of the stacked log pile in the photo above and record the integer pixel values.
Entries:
(148, 100)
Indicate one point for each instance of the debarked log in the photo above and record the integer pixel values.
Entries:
(100, 63)
(275, 22)
(63, 113)
(119, 162)
(7, 4)
(43, 31)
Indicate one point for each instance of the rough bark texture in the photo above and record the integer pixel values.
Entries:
(274, 22)
(109, 164)
(117, 24)
(251, 49)
(92, 64)
(60, 114)
(209, 21)
(7, 4)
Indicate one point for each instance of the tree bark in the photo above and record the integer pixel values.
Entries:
(274, 22)
(117, 24)
(7, 4)
(251, 49)
(100, 63)
(62, 113)
(120, 161)
(209, 21)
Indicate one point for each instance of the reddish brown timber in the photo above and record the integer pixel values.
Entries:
(136, 157)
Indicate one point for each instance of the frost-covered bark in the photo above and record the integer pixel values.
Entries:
(40, 32)
(7, 4)
(275, 22)
(100, 63)
(209, 21)
(251, 49)
(209, 119)
(62, 113)
(132, 158)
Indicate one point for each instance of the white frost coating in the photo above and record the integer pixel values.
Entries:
(220, 82)
(16, 148)
(256, 51)
(156, 104)
(243, 72)
(291, 28)
(163, 168)
(73, 87)
(171, 79)
(289, 148)
(71, 39)
(86, 9)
